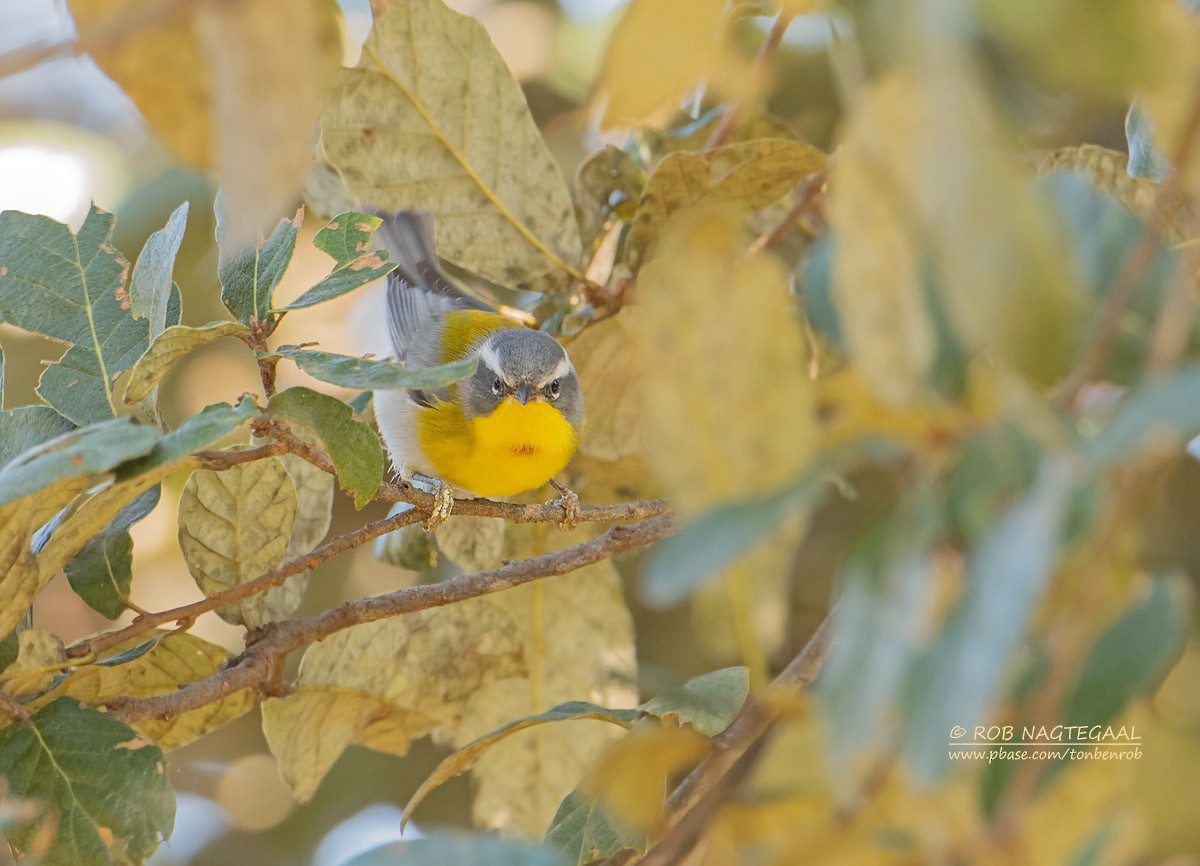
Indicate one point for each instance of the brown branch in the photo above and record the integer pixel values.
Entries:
(253, 667)
(733, 114)
(811, 189)
(700, 793)
(12, 708)
(1134, 268)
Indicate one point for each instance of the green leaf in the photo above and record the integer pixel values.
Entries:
(71, 288)
(458, 849)
(1161, 411)
(151, 287)
(104, 781)
(352, 445)
(234, 526)
(584, 832)
(10, 647)
(394, 130)
(89, 451)
(347, 372)
(200, 431)
(954, 681)
(463, 759)
(101, 573)
(249, 275)
(27, 426)
(347, 238)
(170, 346)
(709, 703)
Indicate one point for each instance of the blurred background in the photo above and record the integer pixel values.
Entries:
(69, 135)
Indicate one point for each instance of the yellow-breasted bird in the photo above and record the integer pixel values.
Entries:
(509, 428)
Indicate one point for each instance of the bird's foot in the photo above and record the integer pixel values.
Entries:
(569, 500)
(443, 504)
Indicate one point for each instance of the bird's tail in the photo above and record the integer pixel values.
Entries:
(409, 237)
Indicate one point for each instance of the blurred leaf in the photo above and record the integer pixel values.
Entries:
(346, 239)
(385, 684)
(352, 445)
(709, 703)
(659, 52)
(234, 526)
(410, 547)
(472, 543)
(464, 758)
(1162, 412)
(71, 288)
(91, 451)
(169, 347)
(10, 648)
(151, 287)
(584, 832)
(348, 372)
(250, 273)
(630, 778)
(460, 849)
(953, 682)
(115, 790)
(394, 130)
(650, 144)
(990, 471)
(38, 653)
(101, 572)
(750, 175)
(160, 667)
(1145, 160)
(606, 360)
(608, 183)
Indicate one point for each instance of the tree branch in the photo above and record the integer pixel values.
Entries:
(699, 795)
(274, 641)
(12, 708)
(733, 114)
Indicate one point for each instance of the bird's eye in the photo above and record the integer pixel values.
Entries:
(497, 385)
(554, 388)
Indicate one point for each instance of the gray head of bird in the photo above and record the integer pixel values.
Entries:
(523, 365)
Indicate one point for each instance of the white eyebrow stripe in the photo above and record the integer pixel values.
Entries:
(562, 368)
(491, 360)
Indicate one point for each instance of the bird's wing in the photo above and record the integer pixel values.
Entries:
(417, 290)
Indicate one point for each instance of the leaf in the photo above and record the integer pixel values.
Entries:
(347, 239)
(38, 653)
(347, 372)
(606, 360)
(576, 640)
(250, 272)
(10, 649)
(709, 703)
(71, 288)
(352, 445)
(395, 131)
(385, 684)
(222, 90)
(607, 183)
(658, 53)
(170, 346)
(91, 451)
(749, 176)
(200, 431)
(1145, 159)
(472, 543)
(463, 759)
(410, 547)
(157, 667)
(26, 426)
(104, 783)
(584, 831)
(151, 286)
(234, 526)
(101, 572)
(460, 849)
(954, 680)
(1162, 412)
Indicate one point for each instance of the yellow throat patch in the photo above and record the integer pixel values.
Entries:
(518, 447)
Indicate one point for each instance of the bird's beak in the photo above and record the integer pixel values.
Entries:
(524, 394)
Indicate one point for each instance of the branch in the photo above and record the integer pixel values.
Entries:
(733, 114)
(253, 667)
(811, 189)
(12, 708)
(698, 796)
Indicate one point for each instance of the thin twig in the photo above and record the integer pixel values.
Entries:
(1134, 268)
(12, 708)
(276, 640)
(733, 114)
(811, 189)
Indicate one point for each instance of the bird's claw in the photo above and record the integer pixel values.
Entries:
(443, 496)
(569, 501)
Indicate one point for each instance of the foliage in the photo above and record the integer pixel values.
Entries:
(906, 379)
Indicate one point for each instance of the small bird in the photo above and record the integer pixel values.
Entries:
(509, 428)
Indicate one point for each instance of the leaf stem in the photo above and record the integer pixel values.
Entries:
(733, 114)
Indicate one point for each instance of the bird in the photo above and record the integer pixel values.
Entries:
(509, 428)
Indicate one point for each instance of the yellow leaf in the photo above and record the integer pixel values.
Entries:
(234, 526)
(576, 637)
(38, 653)
(384, 684)
(170, 346)
(630, 777)
(432, 118)
(748, 175)
(471, 543)
(662, 49)
(606, 360)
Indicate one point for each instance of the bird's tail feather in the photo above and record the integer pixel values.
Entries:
(409, 237)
